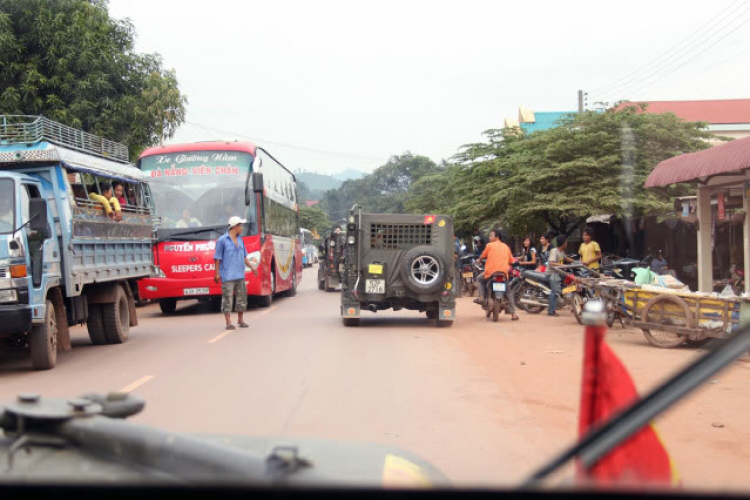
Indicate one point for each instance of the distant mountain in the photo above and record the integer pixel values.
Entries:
(348, 174)
(318, 182)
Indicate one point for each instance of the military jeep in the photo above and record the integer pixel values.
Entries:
(331, 260)
(398, 261)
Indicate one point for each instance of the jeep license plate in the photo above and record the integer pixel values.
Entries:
(498, 287)
(375, 286)
(195, 291)
(569, 289)
(468, 275)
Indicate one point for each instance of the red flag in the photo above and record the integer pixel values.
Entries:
(607, 388)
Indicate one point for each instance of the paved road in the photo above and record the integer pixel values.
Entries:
(484, 402)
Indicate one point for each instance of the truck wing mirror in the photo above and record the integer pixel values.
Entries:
(38, 215)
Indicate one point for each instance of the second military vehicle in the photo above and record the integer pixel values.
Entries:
(398, 261)
(331, 260)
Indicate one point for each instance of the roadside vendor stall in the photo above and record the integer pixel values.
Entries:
(722, 175)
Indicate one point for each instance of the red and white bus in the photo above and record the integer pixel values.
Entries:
(196, 188)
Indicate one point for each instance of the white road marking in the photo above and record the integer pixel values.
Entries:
(136, 384)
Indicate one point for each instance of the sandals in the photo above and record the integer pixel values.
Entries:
(243, 325)
(230, 327)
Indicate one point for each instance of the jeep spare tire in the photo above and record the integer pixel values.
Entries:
(423, 269)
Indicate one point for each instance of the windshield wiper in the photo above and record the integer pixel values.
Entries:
(193, 231)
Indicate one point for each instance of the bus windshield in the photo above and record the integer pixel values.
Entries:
(200, 190)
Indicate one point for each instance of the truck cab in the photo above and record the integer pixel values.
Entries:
(66, 257)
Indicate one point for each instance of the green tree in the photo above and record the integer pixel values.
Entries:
(313, 218)
(594, 163)
(385, 190)
(68, 60)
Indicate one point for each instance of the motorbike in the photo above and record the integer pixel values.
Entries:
(496, 295)
(466, 265)
(534, 291)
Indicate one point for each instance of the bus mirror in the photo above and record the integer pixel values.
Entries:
(38, 215)
(257, 182)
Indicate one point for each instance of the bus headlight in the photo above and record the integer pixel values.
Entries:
(351, 240)
(254, 259)
(159, 273)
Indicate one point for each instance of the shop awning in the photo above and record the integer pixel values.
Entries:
(731, 157)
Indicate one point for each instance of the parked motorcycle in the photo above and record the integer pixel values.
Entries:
(496, 295)
(534, 291)
(466, 265)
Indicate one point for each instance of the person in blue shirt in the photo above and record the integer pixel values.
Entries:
(230, 259)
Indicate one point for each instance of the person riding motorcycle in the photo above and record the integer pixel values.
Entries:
(499, 258)
(478, 246)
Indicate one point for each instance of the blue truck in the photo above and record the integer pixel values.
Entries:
(67, 257)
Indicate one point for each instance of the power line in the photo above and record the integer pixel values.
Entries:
(692, 58)
(627, 78)
(323, 152)
(665, 66)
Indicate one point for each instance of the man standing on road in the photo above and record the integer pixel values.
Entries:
(499, 258)
(230, 259)
(590, 251)
(557, 257)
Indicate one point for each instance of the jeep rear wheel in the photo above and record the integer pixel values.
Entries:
(423, 269)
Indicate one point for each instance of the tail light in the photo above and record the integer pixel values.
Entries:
(500, 278)
(569, 278)
(515, 273)
(542, 269)
(467, 268)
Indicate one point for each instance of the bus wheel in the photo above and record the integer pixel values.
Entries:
(293, 291)
(168, 306)
(267, 300)
(43, 341)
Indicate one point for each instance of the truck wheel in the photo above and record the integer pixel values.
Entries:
(423, 269)
(117, 318)
(95, 325)
(168, 306)
(43, 341)
(432, 314)
(351, 321)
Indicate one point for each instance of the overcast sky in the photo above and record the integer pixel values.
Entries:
(329, 85)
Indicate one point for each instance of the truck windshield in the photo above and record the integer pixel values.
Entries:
(197, 189)
(7, 219)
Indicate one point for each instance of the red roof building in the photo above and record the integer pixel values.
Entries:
(725, 117)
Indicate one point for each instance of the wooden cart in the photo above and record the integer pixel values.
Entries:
(671, 318)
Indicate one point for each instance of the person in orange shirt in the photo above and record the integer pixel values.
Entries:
(499, 258)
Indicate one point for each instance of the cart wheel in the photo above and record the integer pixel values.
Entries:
(578, 302)
(656, 311)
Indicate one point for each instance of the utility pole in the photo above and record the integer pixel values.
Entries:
(580, 101)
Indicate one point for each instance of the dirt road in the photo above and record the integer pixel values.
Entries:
(484, 402)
